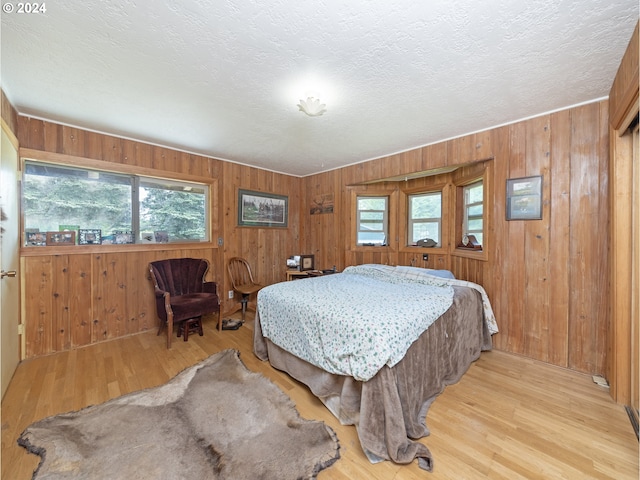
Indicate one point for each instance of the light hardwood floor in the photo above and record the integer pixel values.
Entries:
(508, 418)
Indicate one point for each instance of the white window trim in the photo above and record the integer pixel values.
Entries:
(411, 221)
(385, 219)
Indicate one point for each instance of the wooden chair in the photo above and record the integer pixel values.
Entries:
(242, 280)
(182, 295)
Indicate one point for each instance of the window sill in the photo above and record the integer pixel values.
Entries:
(112, 248)
(421, 250)
(480, 255)
(371, 248)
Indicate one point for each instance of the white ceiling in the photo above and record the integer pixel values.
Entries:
(222, 78)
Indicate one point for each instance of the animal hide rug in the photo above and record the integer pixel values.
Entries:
(215, 420)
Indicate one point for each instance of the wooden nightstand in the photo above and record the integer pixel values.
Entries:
(296, 274)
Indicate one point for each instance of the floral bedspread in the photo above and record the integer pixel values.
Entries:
(353, 323)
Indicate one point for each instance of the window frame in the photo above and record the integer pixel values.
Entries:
(413, 221)
(443, 189)
(392, 201)
(460, 214)
(466, 230)
(385, 219)
(69, 161)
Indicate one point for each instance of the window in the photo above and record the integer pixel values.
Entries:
(55, 196)
(178, 208)
(372, 220)
(472, 222)
(425, 217)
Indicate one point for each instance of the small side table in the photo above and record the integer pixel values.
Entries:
(296, 274)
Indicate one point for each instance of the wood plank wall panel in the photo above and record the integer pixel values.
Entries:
(8, 113)
(266, 249)
(559, 233)
(536, 244)
(589, 282)
(38, 298)
(81, 298)
(514, 252)
(326, 245)
(546, 278)
(78, 299)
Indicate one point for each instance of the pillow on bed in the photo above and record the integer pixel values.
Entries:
(428, 271)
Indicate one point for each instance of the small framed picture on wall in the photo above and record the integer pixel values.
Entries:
(524, 198)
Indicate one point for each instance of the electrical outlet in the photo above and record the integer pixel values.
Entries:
(230, 294)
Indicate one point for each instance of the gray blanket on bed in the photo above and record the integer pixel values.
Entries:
(390, 409)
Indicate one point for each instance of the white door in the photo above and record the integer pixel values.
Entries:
(9, 259)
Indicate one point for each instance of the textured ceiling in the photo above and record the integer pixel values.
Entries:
(223, 78)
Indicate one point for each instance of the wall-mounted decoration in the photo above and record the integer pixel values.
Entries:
(307, 262)
(61, 238)
(258, 209)
(90, 236)
(524, 198)
(322, 204)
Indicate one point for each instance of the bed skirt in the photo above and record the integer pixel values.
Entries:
(389, 410)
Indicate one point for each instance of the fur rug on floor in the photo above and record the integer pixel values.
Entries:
(215, 420)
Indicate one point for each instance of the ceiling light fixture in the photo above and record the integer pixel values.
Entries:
(312, 107)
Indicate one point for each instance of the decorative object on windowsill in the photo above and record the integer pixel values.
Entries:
(161, 236)
(524, 198)
(426, 242)
(123, 237)
(90, 236)
(70, 228)
(147, 237)
(312, 107)
(470, 242)
(35, 238)
(61, 238)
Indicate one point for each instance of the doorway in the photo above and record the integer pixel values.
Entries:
(9, 258)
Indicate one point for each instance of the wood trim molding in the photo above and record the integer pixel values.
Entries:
(64, 159)
(623, 96)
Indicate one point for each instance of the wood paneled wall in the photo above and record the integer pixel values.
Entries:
(91, 294)
(266, 249)
(71, 300)
(8, 113)
(547, 279)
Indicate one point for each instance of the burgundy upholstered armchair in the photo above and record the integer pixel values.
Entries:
(182, 295)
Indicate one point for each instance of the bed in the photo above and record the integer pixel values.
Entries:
(376, 344)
